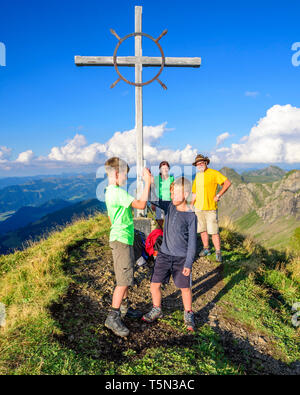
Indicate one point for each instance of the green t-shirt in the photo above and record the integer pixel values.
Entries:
(118, 203)
(162, 187)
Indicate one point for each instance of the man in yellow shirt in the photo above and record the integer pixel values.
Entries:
(205, 200)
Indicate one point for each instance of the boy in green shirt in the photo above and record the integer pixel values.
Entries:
(119, 208)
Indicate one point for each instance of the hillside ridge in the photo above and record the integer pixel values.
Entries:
(242, 311)
(258, 208)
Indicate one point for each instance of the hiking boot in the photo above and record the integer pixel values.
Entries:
(114, 323)
(130, 312)
(153, 314)
(205, 252)
(189, 320)
(218, 256)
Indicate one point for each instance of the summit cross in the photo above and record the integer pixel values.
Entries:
(138, 61)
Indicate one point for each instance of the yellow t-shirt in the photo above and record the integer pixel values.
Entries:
(205, 187)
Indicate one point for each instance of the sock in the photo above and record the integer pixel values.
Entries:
(114, 309)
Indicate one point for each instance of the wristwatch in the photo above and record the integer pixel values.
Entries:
(218, 196)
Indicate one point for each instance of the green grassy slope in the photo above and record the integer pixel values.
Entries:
(52, 292)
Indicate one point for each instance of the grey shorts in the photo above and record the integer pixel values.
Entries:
(124, 261)
(207, 221)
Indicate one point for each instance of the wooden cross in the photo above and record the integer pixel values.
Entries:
(138, 61)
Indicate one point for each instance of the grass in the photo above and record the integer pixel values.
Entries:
(247, 220)
(295, 241)
(205, 356)
(30, 281)
(276, 236)
(263, 287)
(260, 288)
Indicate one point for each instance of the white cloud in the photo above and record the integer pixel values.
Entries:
(25, 157)
(275, 139)
(124, 145)
(76, 152)
(222, 137)
(223, 149)
(251, 94)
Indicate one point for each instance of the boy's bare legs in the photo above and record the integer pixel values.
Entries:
(119, 294)
(113, 320)
(156, 294)
(188, 312)
(155, 312)
(187, 298)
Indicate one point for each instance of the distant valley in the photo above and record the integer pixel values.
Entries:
(41, 227)
(26, 215)
(268, 211)
(264, 203)
(39, 191)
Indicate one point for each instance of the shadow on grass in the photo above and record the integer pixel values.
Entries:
(81, 312)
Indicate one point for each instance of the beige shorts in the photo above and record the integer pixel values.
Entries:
(124, 261)
(207, 221)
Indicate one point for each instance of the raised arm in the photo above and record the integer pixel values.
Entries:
(141, 203)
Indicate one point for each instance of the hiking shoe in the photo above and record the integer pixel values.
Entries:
(218, 256)
(205, 252)
(189, 320)
(129, 312)
(114, 323)
(153, 314)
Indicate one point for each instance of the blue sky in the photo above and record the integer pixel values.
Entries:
(246, 70)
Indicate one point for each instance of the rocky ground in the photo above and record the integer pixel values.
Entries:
(80, 314)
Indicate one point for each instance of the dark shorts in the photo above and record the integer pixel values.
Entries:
(165, 265)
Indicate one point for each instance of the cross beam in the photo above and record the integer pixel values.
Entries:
(131, 61)
(138, 62)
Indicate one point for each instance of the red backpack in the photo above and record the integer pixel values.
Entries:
(151, 240)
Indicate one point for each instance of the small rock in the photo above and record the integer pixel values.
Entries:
(261, 340)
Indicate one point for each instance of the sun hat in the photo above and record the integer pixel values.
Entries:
(200, 158)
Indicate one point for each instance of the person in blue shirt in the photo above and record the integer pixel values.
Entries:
(177, 253)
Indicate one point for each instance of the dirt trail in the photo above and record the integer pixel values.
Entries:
(82, 312)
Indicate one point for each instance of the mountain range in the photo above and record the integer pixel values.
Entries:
(263, 203)
(26, 215)
(41, 227)
(39, 191)
(270, 211)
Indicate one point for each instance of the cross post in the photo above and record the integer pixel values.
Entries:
(138, 61)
